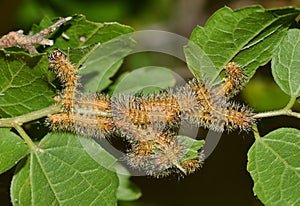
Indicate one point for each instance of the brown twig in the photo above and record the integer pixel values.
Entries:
(18, 39)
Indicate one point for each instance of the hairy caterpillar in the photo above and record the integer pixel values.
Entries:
(66, 73)
(150, 123)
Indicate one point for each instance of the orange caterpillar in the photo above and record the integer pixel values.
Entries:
(65, 71)
(150, 123)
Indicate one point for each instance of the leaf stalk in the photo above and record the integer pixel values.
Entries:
(285, 111)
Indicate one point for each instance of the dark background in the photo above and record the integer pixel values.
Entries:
(223, 180)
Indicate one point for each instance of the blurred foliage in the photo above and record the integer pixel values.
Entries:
(261, 92)
(129, 11)
(181, 15)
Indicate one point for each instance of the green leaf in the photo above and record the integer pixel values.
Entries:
(246, 36)
(98, 47)
(98, 153)
(146, 80)
(273, 162)
(193, 146)
(82, 32)
(12, 149)
(286, 63)
(266, 91)
(20, 189)
(63, 173)
(127, 190)
(24, 83)
(104, 62)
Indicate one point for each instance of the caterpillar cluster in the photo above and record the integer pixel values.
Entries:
(151, 123)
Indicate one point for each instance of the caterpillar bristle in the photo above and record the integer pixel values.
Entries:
(67, 75)
(234, 80)
(61, 121)
(240, 117)
(145, 111)
(235, 72)
(163, 156)
(150, 123)
(191, 166)
(159, 157)
(216, 112)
